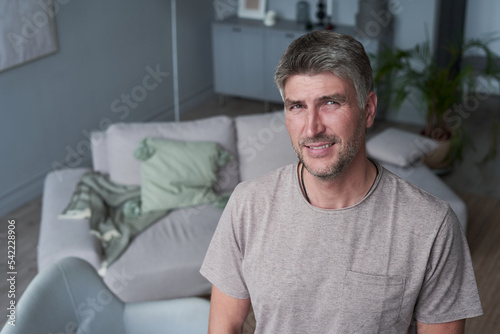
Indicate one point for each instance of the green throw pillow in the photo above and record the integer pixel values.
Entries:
(176, 174)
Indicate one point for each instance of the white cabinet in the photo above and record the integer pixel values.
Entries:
(246, 54)
(238, 60)
(275, 43)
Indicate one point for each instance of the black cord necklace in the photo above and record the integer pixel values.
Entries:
(303, 185)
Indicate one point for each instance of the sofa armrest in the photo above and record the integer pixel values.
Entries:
(99, 151)
(61, 238)
(420, 175)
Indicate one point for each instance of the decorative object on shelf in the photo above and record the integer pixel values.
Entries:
(329, 24)
(270, 18)
(445, 94)
(303, 16)
(321, 13)
(252, 9)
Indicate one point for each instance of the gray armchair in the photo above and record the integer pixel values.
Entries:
(70, 297)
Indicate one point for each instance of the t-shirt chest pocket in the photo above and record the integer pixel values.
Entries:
(371, 303)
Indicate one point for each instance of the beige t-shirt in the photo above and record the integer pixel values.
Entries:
(396, 256)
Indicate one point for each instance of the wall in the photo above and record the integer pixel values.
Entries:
(195, 51)
(106, 51)
(482, 21)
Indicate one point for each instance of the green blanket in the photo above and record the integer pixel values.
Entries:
(114, 211)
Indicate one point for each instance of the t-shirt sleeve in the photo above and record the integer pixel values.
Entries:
(223, 262)
(449, 291)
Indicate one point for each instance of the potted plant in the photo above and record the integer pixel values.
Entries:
(441, 92)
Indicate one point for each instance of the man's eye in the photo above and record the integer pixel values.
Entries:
(297, 106)
(332, 102)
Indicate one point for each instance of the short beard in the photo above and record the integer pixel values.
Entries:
(346, 155)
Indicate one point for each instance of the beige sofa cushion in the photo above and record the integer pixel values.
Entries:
(123, 138)
(263, 144)
(398, 147)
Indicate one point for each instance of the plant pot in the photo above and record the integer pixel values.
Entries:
(436, 159)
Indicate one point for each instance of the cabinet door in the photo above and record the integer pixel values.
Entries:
(276, 42)
(238, 60)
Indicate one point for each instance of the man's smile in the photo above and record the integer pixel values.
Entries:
(319, 147)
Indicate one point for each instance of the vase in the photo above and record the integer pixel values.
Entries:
(435, 160)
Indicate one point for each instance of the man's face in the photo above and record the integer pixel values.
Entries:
(325, 123)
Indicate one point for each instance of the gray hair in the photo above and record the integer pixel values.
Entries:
(325, 51)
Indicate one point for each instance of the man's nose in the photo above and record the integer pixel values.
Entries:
(315, 124)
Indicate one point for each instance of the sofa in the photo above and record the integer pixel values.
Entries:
(69, 297)
(163, 261)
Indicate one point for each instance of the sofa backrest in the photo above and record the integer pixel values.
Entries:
(263, 144)
(113, 153)
(258, 142)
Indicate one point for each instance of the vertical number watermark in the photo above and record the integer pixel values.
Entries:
(11, 272)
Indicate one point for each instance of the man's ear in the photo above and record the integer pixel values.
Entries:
(370, 109)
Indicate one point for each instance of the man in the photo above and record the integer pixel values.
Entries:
(336, 243)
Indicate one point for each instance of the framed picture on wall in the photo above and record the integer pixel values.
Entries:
(27, 31)
(252, 9)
